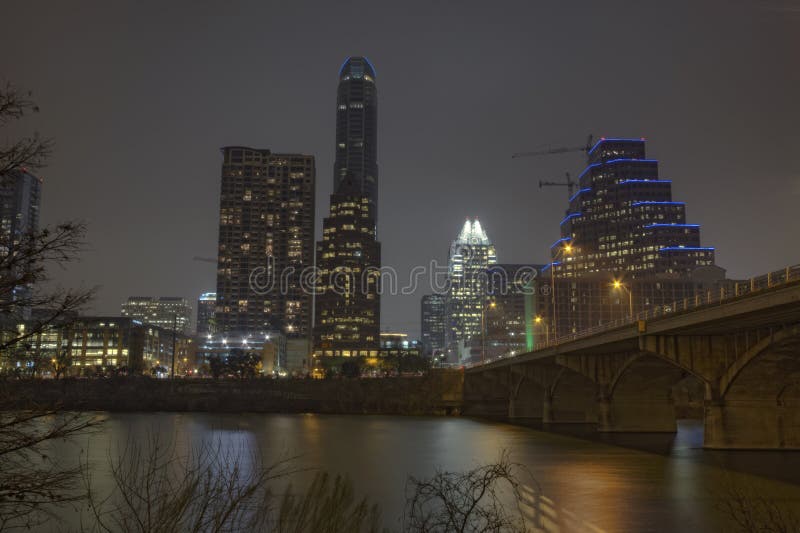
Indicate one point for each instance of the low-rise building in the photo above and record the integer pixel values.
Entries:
(103, 344)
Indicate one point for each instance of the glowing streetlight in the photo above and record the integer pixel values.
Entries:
(561, 251)
(489, 305)
(618, 285)
(538, 320)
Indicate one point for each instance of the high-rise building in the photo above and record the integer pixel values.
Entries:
(471, 254)
(623, 218)
(266, 239)
(20, 199)
(357, 129)
(347, 319)
(171, 313)
(622, 224)
(347, 305)
(205, 313)
(433, 324)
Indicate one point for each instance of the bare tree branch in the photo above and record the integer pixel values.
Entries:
(29, 153)
(33, 485)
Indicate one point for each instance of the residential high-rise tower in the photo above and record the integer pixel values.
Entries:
(347, 305)
(266, 239)
(357, 129)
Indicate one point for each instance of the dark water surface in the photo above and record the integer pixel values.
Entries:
(634, 483)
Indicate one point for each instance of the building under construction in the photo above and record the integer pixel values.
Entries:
(625, 245)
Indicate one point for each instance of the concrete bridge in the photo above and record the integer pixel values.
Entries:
(740, 349)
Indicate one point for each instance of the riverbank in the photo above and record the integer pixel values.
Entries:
(438, 393)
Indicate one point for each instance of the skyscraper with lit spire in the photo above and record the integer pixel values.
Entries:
(471, 254)
(347, 301)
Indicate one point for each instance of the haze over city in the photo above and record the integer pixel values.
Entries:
(140, 99)
(349, 267)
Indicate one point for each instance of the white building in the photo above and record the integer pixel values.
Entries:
(470, 256)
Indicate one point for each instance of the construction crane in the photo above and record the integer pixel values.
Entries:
(559, 150)
(569, 183)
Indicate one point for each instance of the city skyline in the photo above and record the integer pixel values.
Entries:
(730, 157)
(368, 266)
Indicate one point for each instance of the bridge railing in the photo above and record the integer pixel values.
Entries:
(727, 292)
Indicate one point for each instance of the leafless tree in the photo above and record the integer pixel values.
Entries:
(27, 258)
(328, 505)
(28, 152)
(467, 502)
(33, 485)
(217, 490)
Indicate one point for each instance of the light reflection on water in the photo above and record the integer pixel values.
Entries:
(640, 483)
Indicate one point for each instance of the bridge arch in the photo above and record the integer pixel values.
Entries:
(641, 394)
(526, 396)
(763, 347)
(571, 398)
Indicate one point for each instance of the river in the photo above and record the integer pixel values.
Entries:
(633, 483)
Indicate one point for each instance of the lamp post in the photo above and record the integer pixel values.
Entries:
(538, 320)
(174, 334)
(483, 328)
(618, 285)
(566, 249)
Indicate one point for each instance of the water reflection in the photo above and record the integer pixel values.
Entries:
(640, 483)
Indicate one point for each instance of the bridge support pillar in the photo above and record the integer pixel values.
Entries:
(751, 424)
(604, 420)
(629, 416)
(547, 410)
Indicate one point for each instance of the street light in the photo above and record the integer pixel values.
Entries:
(617, 285)
(483, 328)
(566, 249)
(538, 320)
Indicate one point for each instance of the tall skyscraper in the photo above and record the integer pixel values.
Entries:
(357, 129)
(347, 306)
(622, 224)
(347, 320)
(20, 199)
(433, 324)
(167, 312)
(471, 254)
(266, 239)
(205, 313)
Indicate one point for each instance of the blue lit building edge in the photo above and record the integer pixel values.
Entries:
(611, 140)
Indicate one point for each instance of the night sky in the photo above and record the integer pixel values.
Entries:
(140, 97)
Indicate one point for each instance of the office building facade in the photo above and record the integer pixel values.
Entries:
(509, 317)
(471, 255)
(166, 312)
(206, 305)
(432, 322)
(625, 244)
(20, 201)
(106, 345)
